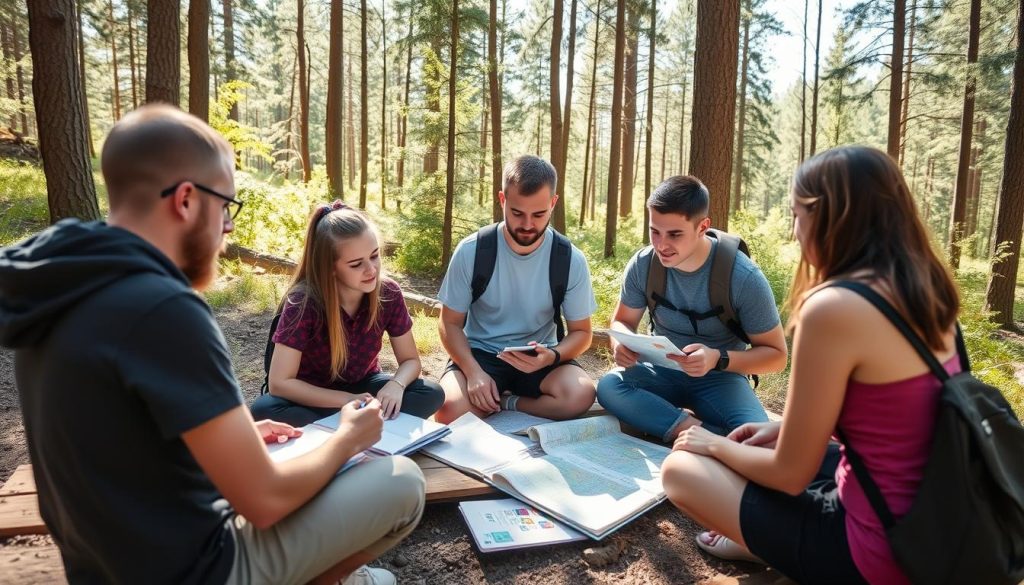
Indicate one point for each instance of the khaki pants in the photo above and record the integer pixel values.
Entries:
(370, 507)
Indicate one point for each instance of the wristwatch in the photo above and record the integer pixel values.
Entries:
(723, 361)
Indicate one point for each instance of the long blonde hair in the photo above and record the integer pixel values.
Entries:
(314, 281)
(863, 220)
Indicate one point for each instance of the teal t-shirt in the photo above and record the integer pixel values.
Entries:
(516, 307)
(750, 293)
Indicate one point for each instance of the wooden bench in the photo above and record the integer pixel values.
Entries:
(19, 505)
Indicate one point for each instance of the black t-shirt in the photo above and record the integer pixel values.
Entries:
(106, 395)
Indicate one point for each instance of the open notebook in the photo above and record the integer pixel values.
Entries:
(402, 435)
(585, 472)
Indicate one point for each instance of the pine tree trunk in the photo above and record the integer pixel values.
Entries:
(6, 43)
(20, 74)
(649, 126)
(403, 121)
(80, 49)
(446, 232)
(741, 119)
(430, 158)
(116, 87)
(56, 93)
(593, 175)
(629, 111)
(493, 80)
(163, 53)
(291, 118)
(199, 58)
(555, 109)
(899, 17)
(1003, 284)
(300, 32)
(335, 117)
(570, 73)
(974, 189)
(384, 110)
(482, 187)
(229, 51)
(588, 167)
(814, 94)
(133, 62)
(956, 224)
(364, 112)
(906, 83)
(803, 90)
(664, 141)
(714, 101)
(615, 159)
(350, 129)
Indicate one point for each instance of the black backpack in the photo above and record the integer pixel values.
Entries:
(558, 268)
(719, 285)
(966, 524)
(268, 354)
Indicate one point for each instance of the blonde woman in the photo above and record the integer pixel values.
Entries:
(331, 329)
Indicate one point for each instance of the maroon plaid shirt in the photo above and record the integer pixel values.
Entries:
(306, 331)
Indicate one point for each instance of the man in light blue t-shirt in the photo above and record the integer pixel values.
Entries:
(515, 310)
(712, 382)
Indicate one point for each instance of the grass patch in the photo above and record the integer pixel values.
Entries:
(240, 286)
(23, 206)
(424, 331)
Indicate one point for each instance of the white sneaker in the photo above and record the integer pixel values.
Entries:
(370, 576)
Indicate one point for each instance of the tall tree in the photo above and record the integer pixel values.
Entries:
(814, 94)
(60, 119)
(899, 17)
(5, 46)
(649, 126)
(335, 117)
(350, 130)
(132, 60)
(19, 74)
(494, 81)
(230, 74)
(364, 109)
(714, 101)
(616, 139)
(803, 90)
(199, 58)
(570, 68)
(446, 231)
(403, 120)
(629, 107)
(383, 107)
(904, 113)
(300, 34)
(741, 119)
(587, 166)
(1003, 284)
(80, 49)
(115, 74)
(956, 223)
(558, 216)
(163, 52)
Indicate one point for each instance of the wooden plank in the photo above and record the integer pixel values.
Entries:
(447, 484)
(20, 483)
(426, 462)
(20, 515)
(32, 564)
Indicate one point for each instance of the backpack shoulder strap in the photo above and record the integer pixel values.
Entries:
(720, 283)
(901, 324)
(484, 260)
(871, 489)
(558, 276)
(268, 353)
(656, 276)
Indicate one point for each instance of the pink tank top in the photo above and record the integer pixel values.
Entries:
(890, 426)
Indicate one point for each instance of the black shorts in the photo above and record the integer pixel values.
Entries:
(506, 377)
(803, 536)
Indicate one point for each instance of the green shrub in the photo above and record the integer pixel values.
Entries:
(239, 286)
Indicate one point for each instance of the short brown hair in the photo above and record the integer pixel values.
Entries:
(529, 173)
(154, 146)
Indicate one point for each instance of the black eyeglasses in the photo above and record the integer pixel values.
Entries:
(231, 210)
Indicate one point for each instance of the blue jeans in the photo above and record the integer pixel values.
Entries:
(650, 398)
(422, 398)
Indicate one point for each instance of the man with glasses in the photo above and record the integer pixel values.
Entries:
(149, 466)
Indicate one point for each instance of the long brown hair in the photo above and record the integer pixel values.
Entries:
(863, 219)
(314, 280)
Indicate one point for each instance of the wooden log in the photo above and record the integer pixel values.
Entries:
(21, 482)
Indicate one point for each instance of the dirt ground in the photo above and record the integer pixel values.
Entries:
(658, 547)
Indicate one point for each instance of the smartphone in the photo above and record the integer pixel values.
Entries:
(527, 349)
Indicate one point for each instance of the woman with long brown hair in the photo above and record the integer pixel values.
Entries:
(332, 323)
(781, 492)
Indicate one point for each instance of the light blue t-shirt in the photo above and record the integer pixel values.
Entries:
(516, 307)
(750, 293)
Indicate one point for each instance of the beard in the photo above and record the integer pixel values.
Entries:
(526, 238)
(199, 253)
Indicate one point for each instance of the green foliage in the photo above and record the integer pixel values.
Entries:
(274, 218)
(240, 286)
(771, 246)
(23, 207)
(245, 139)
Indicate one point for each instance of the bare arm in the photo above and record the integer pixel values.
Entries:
(230, 450)
(767, 354)
(481, 391)
(284, 367)
(408, 358)
(625, 319)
